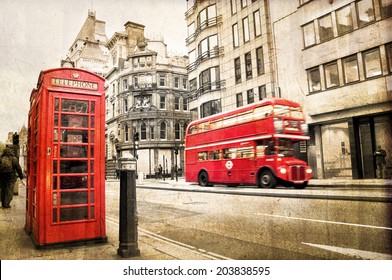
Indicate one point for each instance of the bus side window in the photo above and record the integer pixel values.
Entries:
(201, 156)
(229, 153)
(214, 155)
(260, 151)
(270, 148)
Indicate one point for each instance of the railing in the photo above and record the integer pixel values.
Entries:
(215, 52)
(203, 25)
(207, 87)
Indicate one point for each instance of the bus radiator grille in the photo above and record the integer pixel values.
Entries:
(297, 173)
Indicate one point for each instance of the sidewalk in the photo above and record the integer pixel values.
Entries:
(15, 244)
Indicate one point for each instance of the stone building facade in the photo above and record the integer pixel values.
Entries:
(147, 94)
(89, 51)
(335, 58)
(230, 58)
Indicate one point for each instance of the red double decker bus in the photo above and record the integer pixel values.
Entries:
(251, 145)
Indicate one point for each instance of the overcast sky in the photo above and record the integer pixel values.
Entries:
(36, 34)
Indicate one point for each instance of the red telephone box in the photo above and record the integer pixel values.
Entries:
(65, 194)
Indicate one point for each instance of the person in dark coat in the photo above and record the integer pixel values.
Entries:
(8, 177)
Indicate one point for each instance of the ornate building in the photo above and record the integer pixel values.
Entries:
(89, 50)
(147, 95)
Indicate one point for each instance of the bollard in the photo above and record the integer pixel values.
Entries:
(128, 234)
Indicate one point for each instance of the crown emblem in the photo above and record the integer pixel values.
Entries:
(75, 75)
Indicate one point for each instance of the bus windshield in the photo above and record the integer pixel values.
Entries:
(285, 148)
(286, 111)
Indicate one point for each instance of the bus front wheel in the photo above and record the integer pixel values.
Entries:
(267, 179)
(203, 178)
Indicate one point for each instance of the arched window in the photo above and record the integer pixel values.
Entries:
(177, 131)
(163, 130)
(143, 132)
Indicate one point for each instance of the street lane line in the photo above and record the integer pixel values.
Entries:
(326, 222)
(161, 238)
(365, 255)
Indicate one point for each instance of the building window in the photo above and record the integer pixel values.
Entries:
(389, 56)
(260, 61)
(176, 103)
(350, 69)
(239, 99)
(314, 79)
(191, 29)
(250, 96)
(184, 83)
(126, 133)
(193, 84)
(125, 84)
(372, 63)
(143, 132)
(365, 12)
(386, 8)
(245, 25)
(235, 36)
(233, 6)
(135, 81)
(162, 102)
(177, 131)
(248, 65)
(237, 70)
(152, 132)
(162, 80)
(210, 79)
(309, 34)
(344, 20)
(210, 108)
(176, 82)
(325, 28)
(208, 47)
(207, 17)
(163, 131)
(185, 104)
(257, 23)
(125, 105)
(331, 75)
(262, 92)
(244, 3)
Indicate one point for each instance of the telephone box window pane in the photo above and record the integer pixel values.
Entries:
(73, 214)
(92, 166)
(54, 183)
(56, 120)
(74, 136)
(92, 182)
(56, 104)
(55, 215)
(73, 198)
(92, 107)
(92, 212)
(54, 167)
(92, 122)
(73, 182)
(92, 151)
(74, 121)
(92, 137)
(55, 135)
(74, 106)
(73, 166)
(92, 198)
(73, 151)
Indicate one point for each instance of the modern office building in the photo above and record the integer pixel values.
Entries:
(146, 98)
(335, 57)
(230, 59)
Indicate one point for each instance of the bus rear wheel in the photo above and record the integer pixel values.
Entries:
(203, 178)
(267, 180)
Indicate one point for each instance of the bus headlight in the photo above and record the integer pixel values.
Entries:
(309, 170)
(283, 170)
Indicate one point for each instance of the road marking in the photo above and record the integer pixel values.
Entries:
(327, 222)
(365, 255)
(161, 238)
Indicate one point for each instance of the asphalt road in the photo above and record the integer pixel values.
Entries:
(280, 224)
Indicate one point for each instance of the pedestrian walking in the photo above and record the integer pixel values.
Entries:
(380, 155)
(160, 171)
(9, 166)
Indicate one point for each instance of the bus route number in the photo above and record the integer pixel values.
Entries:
(229, 164)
